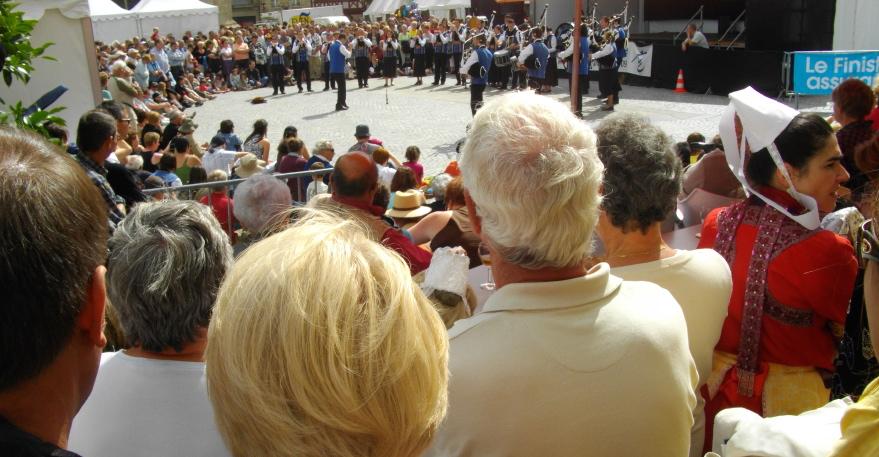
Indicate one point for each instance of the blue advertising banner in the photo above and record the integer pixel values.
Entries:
(819, 72)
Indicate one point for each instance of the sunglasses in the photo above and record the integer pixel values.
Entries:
(866, 243)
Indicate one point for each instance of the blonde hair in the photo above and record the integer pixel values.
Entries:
(525, 140)
(352, 363)
(151, 138)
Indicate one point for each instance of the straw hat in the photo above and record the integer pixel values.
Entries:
(249, 165)
(407, 205)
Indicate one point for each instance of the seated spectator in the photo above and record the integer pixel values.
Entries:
(220, 203)
(682, 150)
(155, 182)
(451, 227)
(375, 385)
(404, 179)
(381, 157)
(874, 113)
(323, 153)
(290, 161)
(227, 132)
(249, 165)
(355, 183)
(412, 156)
(166, 262)
(712, 174)
(175, 121)
(695, 141)
(167, 165)
(218, 158)
(564, 360)
(632, 211)
(437, 190)
(852, 102)
(96, 140)
(135, 165)
(316, 187)
(406, 208)
(261, 204)
(53, 249)
(361, 134)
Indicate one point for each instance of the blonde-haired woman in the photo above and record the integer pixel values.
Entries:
(353, 367)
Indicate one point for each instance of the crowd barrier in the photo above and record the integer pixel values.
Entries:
(195, 191)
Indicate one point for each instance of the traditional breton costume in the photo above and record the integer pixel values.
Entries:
(301, 51)
(419, 56)
(792, 281)
(440, 59)
(583, 71)
(338, 54)
(456, 49)
(361, 60)
(608, 71)
(276, 66)
(481, 58)
(551, 78)
(389, 61)
(535, 57)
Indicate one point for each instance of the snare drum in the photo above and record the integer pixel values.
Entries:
(502, 58)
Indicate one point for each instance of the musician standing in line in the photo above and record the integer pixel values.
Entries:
(338, 54)
(276, 64)
(482, 58)
(620, 42)
(440, 58)
(361, 59)
(551, 80)
(533, 60)
(583, 74)
(418, 58)
(389, 59)
(608, 79)
(511, 38)
(301, 50)
(457, 51)
(325, 59)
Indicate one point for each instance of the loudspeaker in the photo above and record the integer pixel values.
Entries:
(789, 25)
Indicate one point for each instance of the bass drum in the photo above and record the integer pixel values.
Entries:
(502, 58)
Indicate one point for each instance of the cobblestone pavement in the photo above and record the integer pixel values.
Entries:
(435, 117)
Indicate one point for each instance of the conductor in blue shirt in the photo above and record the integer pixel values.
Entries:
(338, 54)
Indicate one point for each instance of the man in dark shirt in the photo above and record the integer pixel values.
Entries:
(52, 250)
(170, 132)
(96, 140)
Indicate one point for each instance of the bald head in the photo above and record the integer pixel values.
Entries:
(355, 176)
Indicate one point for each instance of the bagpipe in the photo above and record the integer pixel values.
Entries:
(469, 48)
(532, 62)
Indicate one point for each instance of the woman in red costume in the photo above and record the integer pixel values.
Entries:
(792, 281)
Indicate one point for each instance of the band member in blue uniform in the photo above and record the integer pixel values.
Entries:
(338, 54)
(583, 74)
(477, 66)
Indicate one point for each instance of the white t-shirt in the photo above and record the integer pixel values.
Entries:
(147, 407)
(699, 40)
(315, 188)
(701, 283)
(218, 160)
(385, 175)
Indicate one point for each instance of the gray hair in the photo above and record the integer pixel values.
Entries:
(134, 162)
(260, 202)
(642, 177)
(438, 185)
(322, 145)
(167, 260)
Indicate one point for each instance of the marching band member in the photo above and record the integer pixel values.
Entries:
(552, 78)
(338, 54)
(325, 59)
(361, 59)
(275, 52)
(608, 68)
(511, 40)
(583, 74)
(418, 58)
(482, 58)
(389, 62)
(539, 53)
(440, 58)
(456, 46)
(301, 50)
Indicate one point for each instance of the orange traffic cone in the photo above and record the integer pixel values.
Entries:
(679, 86)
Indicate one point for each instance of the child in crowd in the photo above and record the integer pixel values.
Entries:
(227, 131)
(412, 156)
(317, 186)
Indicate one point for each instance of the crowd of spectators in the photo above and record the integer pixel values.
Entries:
(330, 313)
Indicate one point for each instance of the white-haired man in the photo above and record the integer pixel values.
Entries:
(564, 360)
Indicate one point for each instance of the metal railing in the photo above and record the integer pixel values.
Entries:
(701, 13)
(740, 18)
(191, 192)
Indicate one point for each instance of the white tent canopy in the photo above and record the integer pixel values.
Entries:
(110, 21)
(437, 5)
(381, 7)
(176, 16)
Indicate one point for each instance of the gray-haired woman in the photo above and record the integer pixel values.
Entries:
(641, 182)
(167, 260)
